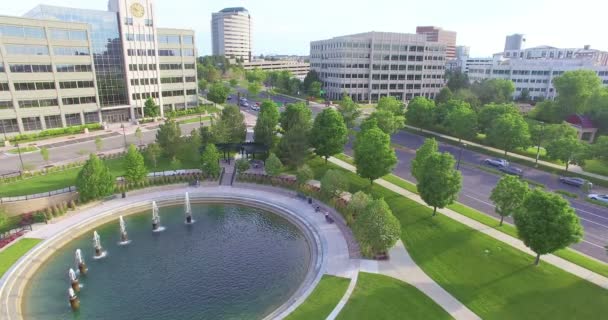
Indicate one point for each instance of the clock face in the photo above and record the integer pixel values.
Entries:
(137, 10)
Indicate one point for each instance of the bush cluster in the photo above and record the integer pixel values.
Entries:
(55, 132)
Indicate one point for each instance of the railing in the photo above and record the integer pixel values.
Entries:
(233, 176)
(222, 175)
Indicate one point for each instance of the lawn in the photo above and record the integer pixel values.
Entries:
(381, 297)
(194, 120)
(493, 279)
(22, 150)
(596, 166)
(322, 300)
(11, 254)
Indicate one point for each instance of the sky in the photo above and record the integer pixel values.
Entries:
(287, 26)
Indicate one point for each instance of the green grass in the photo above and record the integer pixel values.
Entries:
(380, 297)
(567, 194)
(596, 166)
(11, 254)
(493, 279)
(22, 150)
(322, 300)
(194, 120)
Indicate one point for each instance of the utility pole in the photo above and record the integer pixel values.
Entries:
(540, 137)
(464, 145)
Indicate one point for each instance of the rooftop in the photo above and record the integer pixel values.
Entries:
(234, 10)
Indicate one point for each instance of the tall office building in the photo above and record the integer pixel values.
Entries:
(231, 34)
(514, 42)
(445, 37)
(64, 66)
(372, 65)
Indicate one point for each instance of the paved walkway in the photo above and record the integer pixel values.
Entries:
(571, 168)
(516, 243)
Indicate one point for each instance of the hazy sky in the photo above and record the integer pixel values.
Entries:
(287, 27)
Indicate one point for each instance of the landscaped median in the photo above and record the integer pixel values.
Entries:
(493, 279)
(11, 254)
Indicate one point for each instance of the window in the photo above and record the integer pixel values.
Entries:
(31, 123)
(132, 67)
(73, 119)
(73, 68)
(53, 122)
(188, 52)
(168, 39)
(191, 92)
(21, 32)
(3, 86)
(169, 52)
(76, 84)
(9, 125)
(91, 117)
(129, 21)
(171, 80)
(25, 49)
(27, 68)
(190, 79)
(188, 40)
(170, 66)
(173, 93)
(149, 22)
(189, 66)
(6, 104)
(78, 100)
(24, 86)
(64, 34)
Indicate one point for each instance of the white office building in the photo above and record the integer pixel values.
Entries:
(231, 34)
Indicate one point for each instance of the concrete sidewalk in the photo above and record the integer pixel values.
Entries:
(516, 243)
(571, 168)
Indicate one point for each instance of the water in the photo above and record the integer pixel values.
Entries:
(234, 263)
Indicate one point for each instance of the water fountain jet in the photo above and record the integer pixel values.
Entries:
(74, 300)
(188, 209)
(156, 227)
(124, 238)
(82, 266)
(99, 253)
(74, 280)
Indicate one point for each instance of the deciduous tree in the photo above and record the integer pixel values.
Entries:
(374, 156)
(439, 182)
(329, 133)
(231, 126)
(461, 122)
(218, 93)
(94, 180)
(266, 124)
(135, 168)
(295, 113)
(153, 152)
(421, 112)
(387, 121)
(349, 110)
(304, 174)
(333, 183)
(168, 138)
(377, 228)
(508, 132)
(490, 112)
(509, 195)
(273, 165)
(391, 104)
(151, 109)
(44, 153)
(210, 161)
(569, 150)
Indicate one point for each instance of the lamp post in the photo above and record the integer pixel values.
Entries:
(540, 137)
(464, 145)
(124, 135)
(20, 158)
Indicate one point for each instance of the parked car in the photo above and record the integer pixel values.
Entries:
(496, 162)
(245, 104)
(573, 181)
(255, 107)
(243, 99)
(599, 197)
(512, 171)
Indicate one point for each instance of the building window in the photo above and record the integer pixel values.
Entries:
(21, 32)
(3, 86)
(91, 117)
(6, 104)
(53, 122)
(169, 52)
(149, 22)
(31, 123)
(188, 52)
(129, 21)
(190, 79)
(170, 66)
(24, 86)
(25, 49)
(73, 119)
(168, 39)
(73, 68)
(191, 92)
(189, 66)
(64, 34)
(9, 125)
(188, 39)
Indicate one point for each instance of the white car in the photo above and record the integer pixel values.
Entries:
(496, 162)
(599, 197)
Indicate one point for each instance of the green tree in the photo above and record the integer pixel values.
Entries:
(231, 126)
(524, 96)
(421, 112)
(568, 150)
(135, 169)
(574, 89)
(374, 156)
(494, 90)
(509, 195)
(349, 110)
(333, 184)
(457, 80)
(467, 95)
(547, 223)
(202, 85)
(169, 138)
(311, 77)
(210, 161)
(233, 82)
(153, 152)
(139, 135)
(546, 132)
(490, 112)
(189, 148)
(151, 109)
(242, 165)
(94, 180)
(294, 145)
(304, 174)
(428, 148)
(377, 228)
(392, 105)
(508, 132)
(444, 95)
(296, 113)
(315, 89)
(98, 144)
(439, 182)
(462, 122)
(597, 109)
(358, 203)
(44, 153)
(387, 121)
(255, 75)
(273, 165)
(218, 93)
(600, 148)
(266, 125)
(254, 89)
(329, 133)
(175, 164)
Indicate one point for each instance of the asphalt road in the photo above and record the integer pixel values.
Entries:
(478, 184)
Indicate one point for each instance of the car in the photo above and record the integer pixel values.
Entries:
(496, 162)
(229, 98)
(255, 107)
(599, 197)
(243, 99)
(257, 104)
(244, 104)
(573, 181)
(512, 170)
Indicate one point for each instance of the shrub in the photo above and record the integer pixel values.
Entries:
(377, 228)
(39, 217)
(55, 211)
(332, 184)
(72, 205)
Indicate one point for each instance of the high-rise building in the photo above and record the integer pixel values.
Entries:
(65, 66)
(514, 42)
(372, 65)
(445, 37)
(231, 34)
(462, 52)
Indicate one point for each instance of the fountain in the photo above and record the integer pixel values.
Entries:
(99, 253)
(124, 239)
(188, 209)
(74, 280)
(74, 300)
(156, 227)
(82, 267)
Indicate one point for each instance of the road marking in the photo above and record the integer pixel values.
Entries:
(593, 214)
(593, 244)
(590, 221)
(484, 202)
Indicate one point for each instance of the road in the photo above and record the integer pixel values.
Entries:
(478, 184)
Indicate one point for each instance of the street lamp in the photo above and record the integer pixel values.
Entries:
(20, 158)
(124, 135)
(540, 137)
(463, 146)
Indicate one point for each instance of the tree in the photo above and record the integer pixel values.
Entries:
(44, 153)
(210, 161)
(329, 133)
(255, 75)
(467, 95)
(457, 80)
(439, 182)
(597, 109)
(94, 180)
(421, 112)
(377, 228)
(175, 164)
(266, 124)
(574, 89)
(304, 174)
(139, 135)
(569, 150)
(315, 89)
(218, 93)
(233, 82)
(600, 148)
(333, 184)
(494, 90)
(189, 148)
(135, 169)
(153, 152)
(374, 156)
(444, 95)
(295, 113)
(428, 148)
(98, 144)
(151, 109)
(168, 138)
(391, 104)
(358, 203)
(508, 132)
(387, 121)
(273, 165)
(242, 165)
(254, 89)
(509, 195)
(349, 110)
(294, 145)
(231, 126)
(547, 223)
(490, 112)
(524, 96)
(462, 122)
(202, 85)
(311, 76)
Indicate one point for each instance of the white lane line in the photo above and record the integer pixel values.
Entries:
(476, 199)
(591, 221)
(593, 214)
(593, 244)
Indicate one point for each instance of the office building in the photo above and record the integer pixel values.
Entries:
(63, 66)
(298, 69)
(445, 37)
(231, 34)
(514, 42)
(372, 65)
